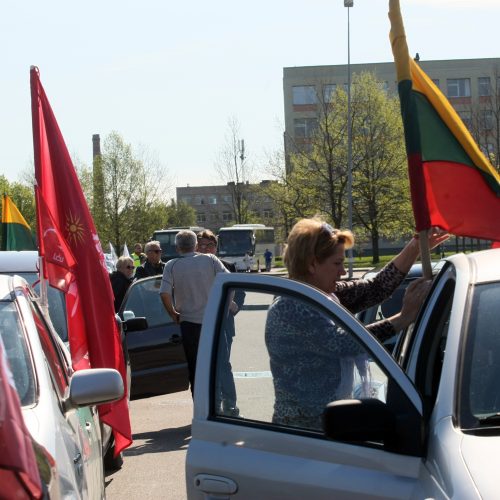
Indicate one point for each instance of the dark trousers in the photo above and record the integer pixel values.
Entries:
(225, 385)
(190, 340)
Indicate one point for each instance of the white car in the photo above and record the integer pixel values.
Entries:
(425, 424)
(26, 264)
(57, 403)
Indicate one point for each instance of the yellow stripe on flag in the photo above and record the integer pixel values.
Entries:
(10, 213)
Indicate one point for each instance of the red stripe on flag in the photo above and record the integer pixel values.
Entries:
(460, 201)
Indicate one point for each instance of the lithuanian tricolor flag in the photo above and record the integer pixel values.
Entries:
(453, 185)
(16, 233)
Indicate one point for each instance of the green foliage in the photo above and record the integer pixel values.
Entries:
(127, 194)
(317, 178)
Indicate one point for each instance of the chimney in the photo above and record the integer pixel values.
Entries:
(96, 145)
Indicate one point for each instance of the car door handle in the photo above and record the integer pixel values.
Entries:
(215, 486)
(175, 339)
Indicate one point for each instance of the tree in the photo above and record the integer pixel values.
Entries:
(132, 192)
(316, 180)
(233, 169)
(380, 180)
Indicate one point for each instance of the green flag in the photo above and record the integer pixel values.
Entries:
(16, 233)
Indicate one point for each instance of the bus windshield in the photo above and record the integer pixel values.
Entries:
(167, 244)
(237, 242)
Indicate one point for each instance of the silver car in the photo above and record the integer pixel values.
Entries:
(422, 424)
(57, 404)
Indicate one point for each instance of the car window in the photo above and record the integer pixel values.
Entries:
(56, 301)
(17, 353)
(480, 396)
(55, 359)
(143, 300)
(280, 360)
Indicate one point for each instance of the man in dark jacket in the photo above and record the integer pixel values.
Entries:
(153, 264)
(121, 279)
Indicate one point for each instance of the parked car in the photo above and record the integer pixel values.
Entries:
(157, 360)
(26, 265)
(422, 424)
(394, 303)
(58, 404)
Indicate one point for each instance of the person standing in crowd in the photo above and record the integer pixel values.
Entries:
(207, 243)
(137, 255)
(268, 256)
(153, 264)
(121, 279)
(323, 371)
(190, 278)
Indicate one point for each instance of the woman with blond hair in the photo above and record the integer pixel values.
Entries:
(323, 354)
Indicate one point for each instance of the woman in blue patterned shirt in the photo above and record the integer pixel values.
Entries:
(312, 360)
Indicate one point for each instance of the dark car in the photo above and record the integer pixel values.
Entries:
(157, 358)
(393, 304)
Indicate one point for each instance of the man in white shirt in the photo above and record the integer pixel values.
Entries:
(184, 291)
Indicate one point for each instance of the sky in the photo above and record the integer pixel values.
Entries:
(168, 76)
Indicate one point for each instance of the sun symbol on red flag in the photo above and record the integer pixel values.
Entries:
(74, 228)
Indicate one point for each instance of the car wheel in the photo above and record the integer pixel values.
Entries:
(111, 462)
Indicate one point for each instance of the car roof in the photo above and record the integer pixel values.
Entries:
(484, 266)
(22, 262)
(8, 284)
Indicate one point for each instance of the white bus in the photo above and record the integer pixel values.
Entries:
(245, 244)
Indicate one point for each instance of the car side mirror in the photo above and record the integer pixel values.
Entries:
(135, 324)
(94, 386)
(359, 420)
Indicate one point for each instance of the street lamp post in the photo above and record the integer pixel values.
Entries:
(349, 4)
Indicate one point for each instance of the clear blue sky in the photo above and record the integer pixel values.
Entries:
(168, 75)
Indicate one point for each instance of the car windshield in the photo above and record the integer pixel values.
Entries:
(235, 243)
(17, 353)
(480, 397)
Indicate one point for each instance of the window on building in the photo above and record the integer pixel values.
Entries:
(304, 127)
(328, 91)
(201, 217)
(488, 149)
(484, 86)
(458, 87)
(212, 200)
(186, 199)
(486, 119)
(199, 200)
(267, 214)
(466, 117)
(304, 94)
(227, 198)
(227, 216)
(435, 81)
(214, 217)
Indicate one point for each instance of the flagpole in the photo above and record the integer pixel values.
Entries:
(425, 254)
(44, 298)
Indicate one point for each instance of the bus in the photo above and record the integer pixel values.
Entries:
(166, 237)
(245, 244)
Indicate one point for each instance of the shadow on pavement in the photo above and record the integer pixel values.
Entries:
(159, 441)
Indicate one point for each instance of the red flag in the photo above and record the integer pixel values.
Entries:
(58, 259)
(93, 333)
(18, 470)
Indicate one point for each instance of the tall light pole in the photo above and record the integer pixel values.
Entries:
(349, 4)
